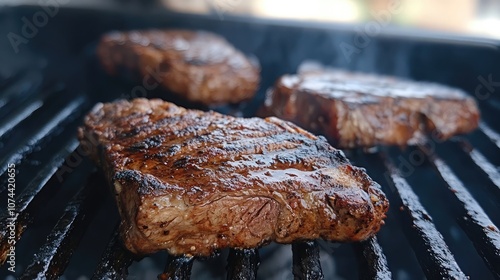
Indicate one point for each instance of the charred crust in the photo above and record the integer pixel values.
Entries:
(182, 162)
(151, 142)
(146, 185)
(130, 133)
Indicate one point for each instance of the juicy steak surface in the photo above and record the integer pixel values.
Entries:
(192, 182)
(195, 65)
(363, 110)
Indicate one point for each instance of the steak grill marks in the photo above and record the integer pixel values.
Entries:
(279, 182)
(115, 260)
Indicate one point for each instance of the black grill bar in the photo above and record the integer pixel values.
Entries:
(177, 268)
(488, 168)
(20, 110)
(53, 257)
(242, 264)
(474, 221)
(490, 133)
(372, 261)
(36, 194)
(18, 89)
(114, 261)
(21, 114)
(306, 263)
(17, 154)
(427, 242)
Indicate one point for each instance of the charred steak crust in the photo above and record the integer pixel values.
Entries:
(364, 110)
(196, 65)
(192, 182)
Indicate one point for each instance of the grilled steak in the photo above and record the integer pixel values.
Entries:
(192, 182)
(197, 66)
(363, 110)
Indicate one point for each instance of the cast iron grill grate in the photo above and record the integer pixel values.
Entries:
(39, 125)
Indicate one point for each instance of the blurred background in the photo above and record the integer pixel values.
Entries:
(479, 18)
(473, 17)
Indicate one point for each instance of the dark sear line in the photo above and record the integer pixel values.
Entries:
(263, 147)
(224, 146)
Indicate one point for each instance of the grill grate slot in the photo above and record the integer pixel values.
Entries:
(36, 194)
(474, 221)
(15, 118)
(18, 89)
(242, 264)
(487, 167)
(177, 268)
(16, 154)
(21, 110)
(490, 133)
(306, 263)
(54, 256)
(115, 260)
(432, 252)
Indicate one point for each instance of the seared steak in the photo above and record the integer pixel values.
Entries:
(192, 182)
(197, 66)
(363, 110)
